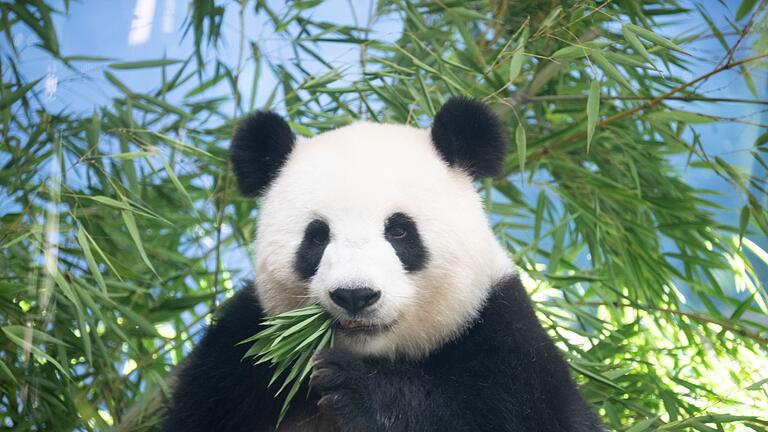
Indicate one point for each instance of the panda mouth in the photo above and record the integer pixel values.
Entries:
(359, 326)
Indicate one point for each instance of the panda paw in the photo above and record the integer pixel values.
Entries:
(341, 380)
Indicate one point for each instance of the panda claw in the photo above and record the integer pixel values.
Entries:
(328, 402)
(321, 378)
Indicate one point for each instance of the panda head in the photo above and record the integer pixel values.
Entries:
(378, 223)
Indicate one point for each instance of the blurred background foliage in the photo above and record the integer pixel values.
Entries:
(639, 223)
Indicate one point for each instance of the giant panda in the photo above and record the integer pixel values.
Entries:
(381, 225)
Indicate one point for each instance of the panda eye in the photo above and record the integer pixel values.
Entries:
(319, 238)
(317, 233)
(397, 232)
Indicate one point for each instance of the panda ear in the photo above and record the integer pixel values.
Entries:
(469, 136)
(260, 147)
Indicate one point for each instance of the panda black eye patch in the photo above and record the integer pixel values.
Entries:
(317, 235)
(401, 232)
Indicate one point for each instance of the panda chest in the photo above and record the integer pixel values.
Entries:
(308, 421)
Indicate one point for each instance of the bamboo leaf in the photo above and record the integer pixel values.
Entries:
(609, 69)
(145, 64)
(538, 219)
(636, 43)
(98, 249)
(516, 64)
(92, 266)
(7, 373)
(550, 19)
(288, 343)
(177, 183)
(745, 8)
(117, 83)
(743, 223)
(34, 336)
(520, 141)
(133, 230)
(7, 100)
(571, 52)
(653, 37)
(87, 58)
(678, 115)
(643, 425)
(37, 352)
(595, 376)
(758, 384)
(593, 110)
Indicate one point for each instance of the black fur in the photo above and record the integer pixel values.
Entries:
(259, 149)
(216, 389)
(401, 232)
(503, 374)
(317, 235)
(468, 135)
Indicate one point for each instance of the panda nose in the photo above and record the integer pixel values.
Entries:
(354, 300)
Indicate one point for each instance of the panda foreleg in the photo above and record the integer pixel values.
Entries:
(377, 395)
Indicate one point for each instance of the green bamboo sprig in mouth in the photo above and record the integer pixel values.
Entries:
(288, 342)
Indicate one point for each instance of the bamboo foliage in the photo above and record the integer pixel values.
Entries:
(121, 230)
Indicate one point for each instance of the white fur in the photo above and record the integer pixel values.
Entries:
(354, 178)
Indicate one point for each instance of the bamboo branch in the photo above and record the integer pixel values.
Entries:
(743, 332)
(546, 73)
(541, 151)
(559, 98)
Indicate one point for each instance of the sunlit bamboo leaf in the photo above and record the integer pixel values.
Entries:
(742, 307)
(758, 384)
(595, 375)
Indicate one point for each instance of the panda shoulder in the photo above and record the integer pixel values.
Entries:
(508, 312)
(505, 320)
(238, 318)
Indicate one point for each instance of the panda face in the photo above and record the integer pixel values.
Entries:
(372, 223)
